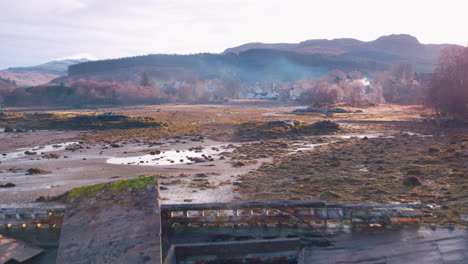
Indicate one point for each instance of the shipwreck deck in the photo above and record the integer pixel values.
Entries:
(112, 223)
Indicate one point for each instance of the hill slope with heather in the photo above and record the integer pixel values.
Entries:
(39, 74)
(258, 62)
(384, 49)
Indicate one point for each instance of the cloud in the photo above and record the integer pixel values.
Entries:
(32, 31)
(76, 56)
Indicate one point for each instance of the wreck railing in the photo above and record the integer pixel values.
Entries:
(26, 217)
(316, 213)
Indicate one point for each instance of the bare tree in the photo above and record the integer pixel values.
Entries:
(448, 88)
(146, 80)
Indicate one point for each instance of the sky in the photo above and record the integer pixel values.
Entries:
(36, 31)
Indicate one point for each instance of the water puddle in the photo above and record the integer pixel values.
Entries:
(361, 136)
(23, 152)
(298, 147)
(174, 157)
(414, 134)
(277, 115)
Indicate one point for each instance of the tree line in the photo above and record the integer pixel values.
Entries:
(446, 90)
(251, 65)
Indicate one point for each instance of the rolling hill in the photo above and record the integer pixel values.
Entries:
(386, 49)
(39, 74)
(6, 85)
(254, 62)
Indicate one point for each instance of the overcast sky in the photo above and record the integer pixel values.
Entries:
(37, 31)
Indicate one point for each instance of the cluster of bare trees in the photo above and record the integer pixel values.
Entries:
(401, 84)
(338, 86)
(448, 88)
(147, 91)
(447, 91)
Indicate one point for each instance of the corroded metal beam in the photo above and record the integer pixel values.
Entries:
(288, 212)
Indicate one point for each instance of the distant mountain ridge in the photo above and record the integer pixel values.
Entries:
(257, 62)
(251, 62)
(39, 74)
(255, 65)
(386, 48)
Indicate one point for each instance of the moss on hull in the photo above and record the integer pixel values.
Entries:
(113, 188)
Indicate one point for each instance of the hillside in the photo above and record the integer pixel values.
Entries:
(258, 62)
(248, 66)
(6, 84)
(386, 49)
(39, 74)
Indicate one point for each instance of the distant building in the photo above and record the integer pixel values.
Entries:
(295, 93)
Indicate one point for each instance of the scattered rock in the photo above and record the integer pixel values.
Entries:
(283, 123)
(8, 130)
(433, 150)
(238, 164)
(174, 182)
(41, 199)
(196, 159)
(326, 124)
(411, 181)
(51, 156)
(414, 172)
(329, 195)
(13, 169)
(200, 138)
(73, 148)
(323, 110)
(33, 171)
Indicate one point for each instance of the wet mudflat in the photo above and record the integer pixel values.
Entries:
(383, 154)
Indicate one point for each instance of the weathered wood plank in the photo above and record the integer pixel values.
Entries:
(12, 249)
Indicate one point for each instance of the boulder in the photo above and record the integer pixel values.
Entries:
(411, 181)
(283, 123)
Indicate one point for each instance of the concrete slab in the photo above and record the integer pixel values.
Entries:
(116, 222)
